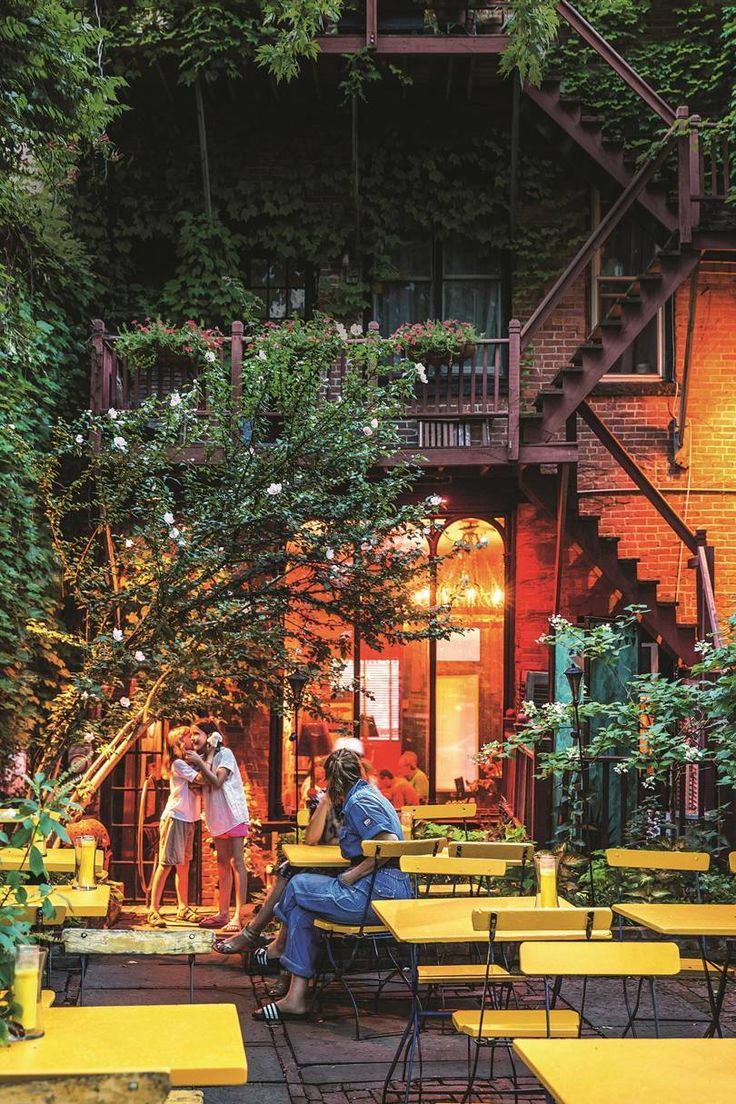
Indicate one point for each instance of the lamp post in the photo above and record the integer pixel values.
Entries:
(574, 676)
(297, 681)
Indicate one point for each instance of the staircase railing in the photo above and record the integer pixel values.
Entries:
(599, 236)
(605, 50)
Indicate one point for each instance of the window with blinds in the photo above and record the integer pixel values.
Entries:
(379, 680)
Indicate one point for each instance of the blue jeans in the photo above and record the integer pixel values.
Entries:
(308, 897)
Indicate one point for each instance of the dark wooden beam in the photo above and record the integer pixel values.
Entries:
(415, 44)
(564, 452)
(562, 489)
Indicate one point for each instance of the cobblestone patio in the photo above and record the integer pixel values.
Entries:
(319, 1060)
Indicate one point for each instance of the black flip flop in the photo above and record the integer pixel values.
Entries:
(272, 1014)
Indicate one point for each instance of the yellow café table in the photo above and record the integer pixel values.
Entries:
(67, 902)
(195, 1044)
(703, 922)
(57, 860)
(633, 1071)
(302, 855)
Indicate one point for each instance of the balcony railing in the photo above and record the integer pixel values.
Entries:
(467, 402)
(402, 26)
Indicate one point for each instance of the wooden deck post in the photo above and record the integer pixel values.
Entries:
(97, 342)
(236, 360)
(684, 183)
(514, 387)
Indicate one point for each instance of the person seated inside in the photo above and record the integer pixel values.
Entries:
(408, 768)
(366, 815)
(399, 791)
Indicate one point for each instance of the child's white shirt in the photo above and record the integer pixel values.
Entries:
(184, 803)
(225, 808)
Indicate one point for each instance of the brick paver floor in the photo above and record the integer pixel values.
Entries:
(319, 1060)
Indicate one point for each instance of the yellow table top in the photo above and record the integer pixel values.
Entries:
(88, 903)
(195, 1044)
(633, 1071)
(57, 860)
(301, 854)
(449, 920)
(682, 919)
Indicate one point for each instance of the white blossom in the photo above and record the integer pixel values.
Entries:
(342, 333)
(174, 533)
(174, 399)
(128, 543)
(421, 372)
(169, 518)
(330, 554)
(262, 354)
(79, 439)
(117, 634)
(125, 702)
(356, 329)
(367, 431)
(274, 488)
(435, 500)
(140, 657)
(692, 754)
(649, 782)
(120, 443)
(112, 413)
(210, 357)
(374, 423)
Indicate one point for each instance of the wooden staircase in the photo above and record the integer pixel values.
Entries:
(559, 399)
(586, 131)
(660, 619)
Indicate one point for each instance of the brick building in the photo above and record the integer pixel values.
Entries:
(584, 456)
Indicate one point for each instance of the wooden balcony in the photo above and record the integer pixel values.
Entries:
(466, 414)
(393, 27)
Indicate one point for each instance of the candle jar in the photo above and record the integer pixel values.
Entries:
(545, 865)
(85, 848)
(27, 976)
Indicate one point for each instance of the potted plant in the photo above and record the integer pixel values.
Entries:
(437, 342)
(154, 341)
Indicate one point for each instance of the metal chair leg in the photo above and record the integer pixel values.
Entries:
(83, 962)
(191, 979)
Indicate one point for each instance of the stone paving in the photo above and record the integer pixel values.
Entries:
(319, 1061)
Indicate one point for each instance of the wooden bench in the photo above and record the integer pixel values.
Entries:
(91, 941)
(133, 1088)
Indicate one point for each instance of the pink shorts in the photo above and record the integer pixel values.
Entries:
(239, 831)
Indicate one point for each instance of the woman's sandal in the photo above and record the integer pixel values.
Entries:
(215, 922)
(187, 914)
(155, 919)
(281, 988)
(243, 943)
(263, 964)
(272, 1014)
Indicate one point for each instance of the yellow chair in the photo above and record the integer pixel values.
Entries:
(491, 1025)
(513, 854)
(357, 936)
(732, 862)
(477, 871)
(645, 961)
(303, 816)
(450, 813)
(686, 862)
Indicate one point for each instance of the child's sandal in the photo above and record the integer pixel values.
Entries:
(155, 919)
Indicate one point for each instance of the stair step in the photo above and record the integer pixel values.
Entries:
(648, 584)
(592, 120)
(667, 603)
(629, 563)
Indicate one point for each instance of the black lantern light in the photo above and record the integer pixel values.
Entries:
(297, 681)
(574, 676)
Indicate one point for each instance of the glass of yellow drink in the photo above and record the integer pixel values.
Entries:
(85, 848)
(545, 864)
(27, 976)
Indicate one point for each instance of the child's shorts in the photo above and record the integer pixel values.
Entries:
(239, 831)
(176, 842)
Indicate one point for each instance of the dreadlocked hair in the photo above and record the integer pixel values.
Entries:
(343, 769)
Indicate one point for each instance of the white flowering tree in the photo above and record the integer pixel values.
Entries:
(207, 556)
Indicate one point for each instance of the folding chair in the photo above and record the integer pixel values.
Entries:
(357, 937)
(645, 961)
(476, 873)
(513, 854)
(490, 1025)
(303, 817)
(450, 813)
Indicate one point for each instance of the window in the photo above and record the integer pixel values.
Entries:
(458, 278)
(627, 254)
(286, 288)
(380, 690)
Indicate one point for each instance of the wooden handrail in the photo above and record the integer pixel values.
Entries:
(514, 397)
(596, 239)
(634, 80)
